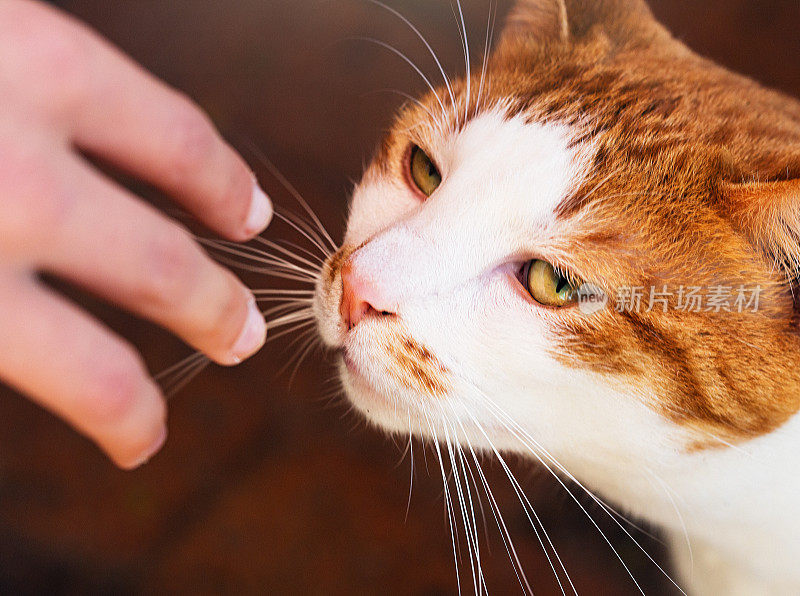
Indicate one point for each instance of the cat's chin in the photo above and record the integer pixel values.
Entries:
(389, 412)
(403, 414)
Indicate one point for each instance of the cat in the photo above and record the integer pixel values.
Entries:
(587, 253)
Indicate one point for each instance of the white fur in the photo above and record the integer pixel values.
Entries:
(446, 267)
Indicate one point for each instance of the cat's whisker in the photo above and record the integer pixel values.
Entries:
(470, 535)
(188, 375)
(316, 261)
(285, 254)
(263, 266)
(528, 441)
(323, 243)
(466, 471)
(508, 543)
(282, 309)
(161, 376)
(266, 162)
(317, 243)
(448, 505)
(178, 375)
(263, 270)
(266, 299)
(308, 346)
(292, 329)
(258, 256)
(447, 82)
(281, 292)
(591, 519)
(669, 492)
(527, 506)
(411, 457)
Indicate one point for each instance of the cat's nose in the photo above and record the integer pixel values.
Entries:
(361, 298)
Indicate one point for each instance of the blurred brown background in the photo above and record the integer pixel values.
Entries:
(265, 487)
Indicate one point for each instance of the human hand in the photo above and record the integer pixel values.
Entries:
(66, 91)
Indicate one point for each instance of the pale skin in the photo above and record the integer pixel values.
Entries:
(66, 92)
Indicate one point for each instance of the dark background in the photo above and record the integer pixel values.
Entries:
(264, 487)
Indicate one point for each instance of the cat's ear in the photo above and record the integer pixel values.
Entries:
(548, 21)
(544, 20)
(768, 213)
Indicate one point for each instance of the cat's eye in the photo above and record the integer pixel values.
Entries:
(424, 172)
(547, 286)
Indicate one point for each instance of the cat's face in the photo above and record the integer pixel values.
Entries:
(578, 151)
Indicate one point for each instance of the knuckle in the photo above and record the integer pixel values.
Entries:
(35, 199)
(191, 144)
(115, 387)
(54, 51)
(171, 262)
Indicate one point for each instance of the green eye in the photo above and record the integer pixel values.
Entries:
(423, 172)
(548, 287)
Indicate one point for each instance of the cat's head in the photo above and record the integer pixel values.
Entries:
(595, 159)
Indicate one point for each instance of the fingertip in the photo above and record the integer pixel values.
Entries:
(147, 454)
(259, 214)
(252, 337)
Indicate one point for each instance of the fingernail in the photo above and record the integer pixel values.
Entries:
(260, 213)
(253, 335)
(151, 451)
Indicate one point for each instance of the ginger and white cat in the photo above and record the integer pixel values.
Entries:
(594, 149)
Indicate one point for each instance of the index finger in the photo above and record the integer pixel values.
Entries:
(138, 123)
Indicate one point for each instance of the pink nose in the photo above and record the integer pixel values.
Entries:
(360, 298)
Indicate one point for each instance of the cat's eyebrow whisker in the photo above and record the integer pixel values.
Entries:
(397, 52)
(447, 82)
(490, 23)
(468, 66)
(410, 98)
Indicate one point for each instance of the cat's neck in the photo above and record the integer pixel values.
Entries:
(742, 497)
